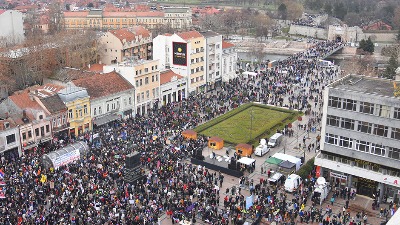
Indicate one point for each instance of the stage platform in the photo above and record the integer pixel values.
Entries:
(220, 163)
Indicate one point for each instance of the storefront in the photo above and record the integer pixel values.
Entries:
(365, 186)
(338, 180)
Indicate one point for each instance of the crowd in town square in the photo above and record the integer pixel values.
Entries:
(93, 191)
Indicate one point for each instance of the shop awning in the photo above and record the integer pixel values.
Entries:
(105, 119)
(273, 160)
(246, 161)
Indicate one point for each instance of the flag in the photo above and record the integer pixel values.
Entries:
(1, 173)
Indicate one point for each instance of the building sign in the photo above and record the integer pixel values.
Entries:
(179, 53)
(391, 180)
(340, 176)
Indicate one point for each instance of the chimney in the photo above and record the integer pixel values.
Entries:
(6, 114)
(89, 66)
(24, 114)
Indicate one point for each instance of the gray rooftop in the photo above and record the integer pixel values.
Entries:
(209, 33)
(71, 93)
(176, 9)
(365, 84)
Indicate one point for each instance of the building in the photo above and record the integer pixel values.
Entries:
(229, 61)
(213, 58)
(127, 43)
(361, 136)
(12, 26)
(10, 144)
(173, 87)
(177, 18)
(144, 76)
(111, 97)
(77, 101)
(183, 53)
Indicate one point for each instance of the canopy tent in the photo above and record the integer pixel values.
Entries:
(273, 160)
(246, 161)
(292, 159)
(216, 143)
(189, 134)
(286, 164)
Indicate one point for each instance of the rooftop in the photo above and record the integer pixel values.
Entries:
(53, 104)
(368, 85)
(177, 9)
(167, 76)
(209, 33)
(189, 35)
(227, 44)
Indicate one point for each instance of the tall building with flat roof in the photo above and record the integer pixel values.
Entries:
(360, 143)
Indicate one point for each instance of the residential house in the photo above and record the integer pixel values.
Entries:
(144, 76)
(183, 53)
(173, 87)
(123, 44)
(77, 101)
(213, 57)
(10, 144)
(111, 97)
(229, 61)
(58, 115)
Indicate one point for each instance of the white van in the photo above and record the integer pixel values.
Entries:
(262, 149)
(275, 140)
(276, 179)
(293, 182)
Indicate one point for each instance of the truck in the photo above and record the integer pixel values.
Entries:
(262, 149)
(321, 190)
(276, 179)
(275, 140)
(293, 182)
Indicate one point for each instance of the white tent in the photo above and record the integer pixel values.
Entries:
(249, 74)
(246, 161)
(289, 158)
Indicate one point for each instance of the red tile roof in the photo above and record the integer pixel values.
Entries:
(189, 35)
(101, 85)
(133, 14)
(227, 44)
(23, 98)
(167, 75)
(140, 30)
(122, 34)
(96, 68)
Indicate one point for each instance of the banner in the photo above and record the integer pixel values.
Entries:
(179, 53)
(318, 171)
(249, 202)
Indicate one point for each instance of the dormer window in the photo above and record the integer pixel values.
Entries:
(6, 125)
(40, 117)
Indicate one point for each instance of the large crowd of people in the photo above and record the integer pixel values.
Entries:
(92, 190)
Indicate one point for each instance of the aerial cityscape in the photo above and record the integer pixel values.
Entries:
(223, 112)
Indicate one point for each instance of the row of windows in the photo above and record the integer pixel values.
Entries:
(59, 121)
(38, 132)
(197, 79)
(364, 107)
(197, 60)
(139, 82)
(363, 146)
(364, 127)
(198, 69)
(78, 112)
(141, 96)
(146, 70)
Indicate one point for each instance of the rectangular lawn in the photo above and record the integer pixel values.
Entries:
(236, 129)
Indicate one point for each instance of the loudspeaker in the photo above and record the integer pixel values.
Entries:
(132, 160)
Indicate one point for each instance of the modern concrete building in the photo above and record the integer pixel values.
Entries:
(12, 26)
(213, 59)
(360, 144)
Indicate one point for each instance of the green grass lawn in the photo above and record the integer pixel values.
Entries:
(235, 127)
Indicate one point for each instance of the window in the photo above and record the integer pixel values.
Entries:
(362, 146)
(147, 94)
(40, 117)
(138, 98)
(192, 71)
(85, 111)
(345, 142)
(152, 78)
(130, 100)
(146, 80)
(377, 149)
(364, 127)
(156, 76)
(108, 107)
(54, 122)
(24, 136)
(80, 113)
(395, 133)
(146, 70)
(95, 111)
(382, 110)
(192, 80)
(29, 134)
(37, 132)
(100, 110)
(42, 131)
(140, 82)
(70, 115)
(331, 139)
(367, 107)
(347, 123)
(137, 83)
(396, 114)
(334, 101)
(47, 128)
(10, 138)
(333, 120)
(349, 104)
(76, 113)
(380, 130)
(394, 153)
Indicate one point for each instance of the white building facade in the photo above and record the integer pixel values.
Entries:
(173, 87)
(229, 61)
(12, 28)
(10, 142)
(213, 58)
(360, 143)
